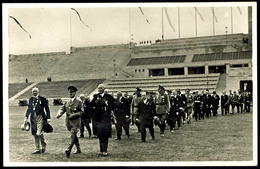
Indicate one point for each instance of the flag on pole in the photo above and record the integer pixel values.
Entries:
(239, 10)
(80, 17)
(168, 18)
(199, 14)
(213, 12)
(144, 15)
(18, 23)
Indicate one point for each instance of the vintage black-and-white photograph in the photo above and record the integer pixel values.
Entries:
(130, 84)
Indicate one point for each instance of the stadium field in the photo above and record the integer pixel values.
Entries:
(221, 138)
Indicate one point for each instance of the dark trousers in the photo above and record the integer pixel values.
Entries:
(74, 140)
(224, 110)
(202, 113)
(247, 106)
(208, 112)
(197, 113)
(103, 143)
(171, 121)
(136, 116)
(85, 123)
(215, 110)
(143, 132)
(119, 125)
(233, 108)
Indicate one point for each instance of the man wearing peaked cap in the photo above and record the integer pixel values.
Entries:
(72, 89)
(134, 108)
(73, 109)
(162, 108)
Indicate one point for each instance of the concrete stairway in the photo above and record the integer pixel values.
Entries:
(221, 84)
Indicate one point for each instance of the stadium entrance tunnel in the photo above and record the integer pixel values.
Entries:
(196, 70)
(156, 72)
(246, 85)
(217, 69)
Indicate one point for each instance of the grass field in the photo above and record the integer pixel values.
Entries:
(221, 138)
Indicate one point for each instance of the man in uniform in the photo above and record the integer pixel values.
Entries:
(224, 103)
(215, 103)
(122, 113)
(39, 111)
(240, 102)
(230, 97)
(197, 106)
(74, 111)
(234, 102)
(207, 104)
(134, 108)
(248, 100)
(146, 109)
(189, 103)
(162, 108)
(103, 105)
(86, 117)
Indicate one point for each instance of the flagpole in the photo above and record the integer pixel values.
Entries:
(70, 32)
(129, 26)
(195, 21)
(162, 26)
(231, 20)
(213, 21)
(179, 22)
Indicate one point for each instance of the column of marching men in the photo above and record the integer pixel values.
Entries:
(145, 109)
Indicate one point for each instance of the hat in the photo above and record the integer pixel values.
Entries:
(161, 87)
(35, 89)
(72, 89)
(138, 89)
(25, 126)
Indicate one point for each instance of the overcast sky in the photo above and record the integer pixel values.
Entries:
(55, 28)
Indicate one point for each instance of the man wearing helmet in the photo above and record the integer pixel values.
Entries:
(39, 111)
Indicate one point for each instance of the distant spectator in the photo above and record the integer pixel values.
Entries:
(26, 80)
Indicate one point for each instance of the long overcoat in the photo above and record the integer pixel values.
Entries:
(147, 112)
(102, 107)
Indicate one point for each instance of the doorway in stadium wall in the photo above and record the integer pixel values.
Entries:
(246, 85)
(156, 72)
(217, 69)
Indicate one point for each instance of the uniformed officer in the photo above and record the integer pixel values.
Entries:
(207, 104)
(189, 104)
(248, 100)
(240, 102)
(146, 109)
(162, 108)
(174, 115)
(215, 103)
(74, 111)
(197, 106)
(122, 113)
(103, 105)
(39, 111)
(234, 102)
(224, 103)
(203, 99)
(134, 108)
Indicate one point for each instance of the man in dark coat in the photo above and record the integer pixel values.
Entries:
(240, 102)
(206, 101)
(174, 115)
(86, 116)
(122, 113)
(103, 104)
(39, 111)
(224, 103)
(215, 103)
(197, 106)
(74, 111)
(248, 100)
(146, 109)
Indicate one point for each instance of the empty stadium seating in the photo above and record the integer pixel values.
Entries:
(58, 89)
(194, 82)
(222, 56)
(14, 88)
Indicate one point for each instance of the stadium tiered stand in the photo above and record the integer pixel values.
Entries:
(182, 82)
(156, 60)
(222, 56)
(58, 89)
(14, 88)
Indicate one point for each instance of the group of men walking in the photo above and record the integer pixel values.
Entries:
(144, 109)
